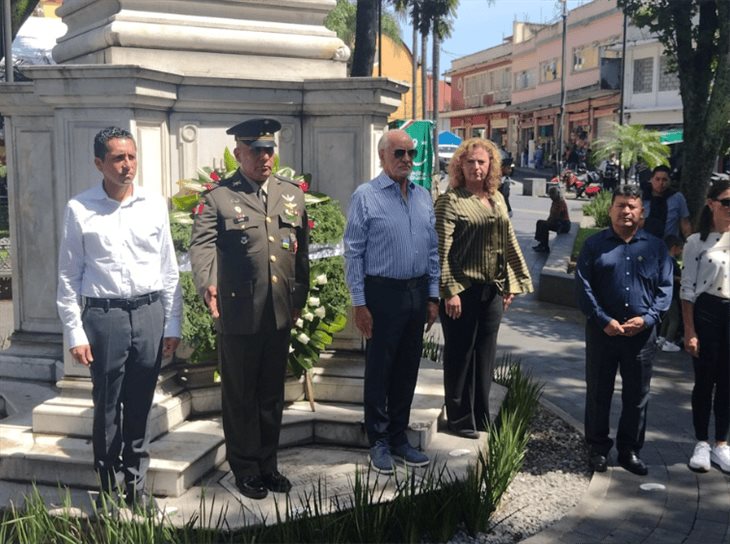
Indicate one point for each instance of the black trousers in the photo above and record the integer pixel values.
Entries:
(470, 348)
(633, 357)
(393, 355)
(544, 226)
(712, 368)
(127, 350)
(253, 369)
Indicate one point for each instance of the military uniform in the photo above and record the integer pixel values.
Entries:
(256, 253)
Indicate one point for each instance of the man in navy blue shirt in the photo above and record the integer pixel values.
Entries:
(624, 281)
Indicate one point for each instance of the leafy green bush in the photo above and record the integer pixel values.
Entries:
(198, 329)
(327, 221)
(598, 209)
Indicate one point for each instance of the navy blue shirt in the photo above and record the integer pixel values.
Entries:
(620, 280)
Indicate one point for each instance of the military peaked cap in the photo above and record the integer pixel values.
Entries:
(256, 132)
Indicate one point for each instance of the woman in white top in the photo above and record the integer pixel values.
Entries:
(705, 295)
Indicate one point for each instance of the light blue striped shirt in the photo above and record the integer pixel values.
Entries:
(389, 236)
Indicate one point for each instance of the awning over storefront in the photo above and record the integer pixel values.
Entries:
(669, 137)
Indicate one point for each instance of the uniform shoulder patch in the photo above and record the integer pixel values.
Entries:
(287, 179)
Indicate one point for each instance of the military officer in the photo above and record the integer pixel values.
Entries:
(249, 255)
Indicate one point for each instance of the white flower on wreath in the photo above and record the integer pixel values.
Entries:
(320, 312)
(291, 348)
(309, 316)
(303, 338)
(299, 322)
(313, 302)
(321, 279)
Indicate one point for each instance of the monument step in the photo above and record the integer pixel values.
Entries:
(187, 452)
(32, 357)
(178, 459)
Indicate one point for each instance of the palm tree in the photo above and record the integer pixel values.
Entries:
(343, 21)
(633, 144)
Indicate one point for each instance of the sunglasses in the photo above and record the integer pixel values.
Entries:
(400, 153)
(723, 201)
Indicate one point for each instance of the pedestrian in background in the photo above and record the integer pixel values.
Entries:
(482, 269)
(624, 282)
(558, 221)
(705, 295)
(672, 319)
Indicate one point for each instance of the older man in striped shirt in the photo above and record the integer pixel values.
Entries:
(391, 251)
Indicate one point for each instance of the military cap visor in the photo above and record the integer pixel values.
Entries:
(256, 132)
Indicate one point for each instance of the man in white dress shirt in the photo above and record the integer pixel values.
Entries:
(120, 304)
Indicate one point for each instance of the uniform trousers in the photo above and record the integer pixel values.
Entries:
(127, 348)
(470, 349)
(712, 368)
(253, 369)
(393, 355)
(633, 357)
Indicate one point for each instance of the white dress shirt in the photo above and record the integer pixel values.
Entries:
(114, 249)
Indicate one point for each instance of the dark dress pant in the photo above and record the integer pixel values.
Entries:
(253, 370)
(127, 350)
(544, 226)
(393, 355)
(712, 368)
(470, 349)
(633, 357)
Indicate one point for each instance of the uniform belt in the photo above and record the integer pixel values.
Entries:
(398, 284)
(123, 303)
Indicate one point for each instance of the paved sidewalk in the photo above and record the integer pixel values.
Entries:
(618, 506)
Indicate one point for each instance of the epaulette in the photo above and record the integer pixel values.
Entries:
(287, 180)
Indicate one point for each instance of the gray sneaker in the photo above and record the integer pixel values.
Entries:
(409, 455)
(380, 459)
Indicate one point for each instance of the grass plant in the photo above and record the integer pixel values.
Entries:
(416, 506)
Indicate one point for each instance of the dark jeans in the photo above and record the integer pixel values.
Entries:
(712, 368)
(127, 350)
(633, 357)
(253, 368)
(470, 348)
(393, 355)
(544, 226)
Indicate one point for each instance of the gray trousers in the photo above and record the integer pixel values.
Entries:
(127, 350)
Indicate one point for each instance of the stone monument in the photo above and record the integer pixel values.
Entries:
(176, 74)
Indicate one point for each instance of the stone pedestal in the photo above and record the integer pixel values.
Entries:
(250, 39)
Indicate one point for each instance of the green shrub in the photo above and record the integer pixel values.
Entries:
(598, 209)
(583, 234)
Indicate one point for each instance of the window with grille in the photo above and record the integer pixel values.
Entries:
(668, 80)
(643, 74)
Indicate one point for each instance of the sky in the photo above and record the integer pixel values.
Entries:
(479, 25)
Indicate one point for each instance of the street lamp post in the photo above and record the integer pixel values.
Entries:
(559, 152)
(8, 41)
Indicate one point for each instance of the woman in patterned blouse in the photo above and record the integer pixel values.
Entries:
(482, 268)
(705, 295)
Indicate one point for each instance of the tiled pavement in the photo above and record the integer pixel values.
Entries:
(677, 505)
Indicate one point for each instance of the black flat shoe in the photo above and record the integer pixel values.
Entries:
(598, 462)
(276, 482)
(251, 487)
(633, 463)
(464, 433)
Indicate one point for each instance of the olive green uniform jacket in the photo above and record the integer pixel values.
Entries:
(246, 250)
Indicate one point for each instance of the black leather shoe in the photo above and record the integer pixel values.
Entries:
(276, 482)
(631, 462)
(141, 502)
(464, 433)
(251, 487)
(598, 462)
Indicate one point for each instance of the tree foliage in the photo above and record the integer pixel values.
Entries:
(20, 10)
(343, 19)
(634, 144)
(696, 36)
